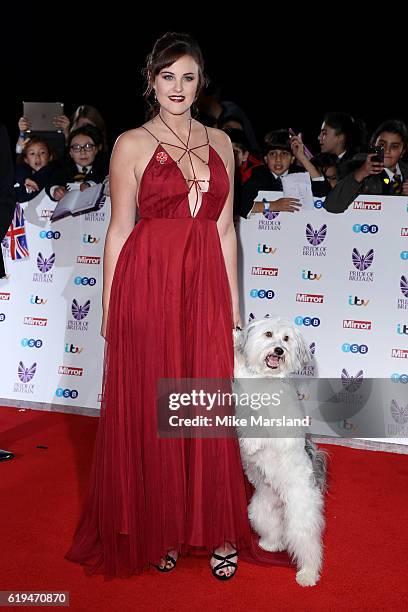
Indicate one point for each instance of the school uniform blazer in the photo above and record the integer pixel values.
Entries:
(66, 172)
(262, 179)
(347, 189)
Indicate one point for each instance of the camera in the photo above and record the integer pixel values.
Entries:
(377, 152)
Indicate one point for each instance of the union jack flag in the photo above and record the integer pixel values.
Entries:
(17, 235)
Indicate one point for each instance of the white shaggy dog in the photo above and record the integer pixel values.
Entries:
(288, 473)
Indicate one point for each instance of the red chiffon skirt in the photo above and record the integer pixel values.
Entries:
(169, 317)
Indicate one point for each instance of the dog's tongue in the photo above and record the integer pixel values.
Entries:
(272, 361)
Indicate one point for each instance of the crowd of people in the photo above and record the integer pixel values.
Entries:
(343, 168)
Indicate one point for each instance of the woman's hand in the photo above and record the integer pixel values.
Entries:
(405, 188)
(236, 316)
(103, 326)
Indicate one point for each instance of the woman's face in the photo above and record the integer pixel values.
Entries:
(83, 150)
(36, 156)
(393, 148)
(176, 85)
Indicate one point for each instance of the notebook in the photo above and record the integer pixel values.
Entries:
(41, 115)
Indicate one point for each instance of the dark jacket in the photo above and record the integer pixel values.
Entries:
(7, 197)
(41, 177)
(348, 189)
(262, 179)
(66, 171)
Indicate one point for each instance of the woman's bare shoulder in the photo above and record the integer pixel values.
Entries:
(136, 137)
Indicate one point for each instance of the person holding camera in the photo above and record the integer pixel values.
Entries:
(381, 172)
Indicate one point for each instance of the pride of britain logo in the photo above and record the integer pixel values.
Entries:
(403, 302)
(399, 413)
(44, 265)
(25, 375)
(270, 221)
(351, 383)
(362, 262)
(79, 312)
(315, 237)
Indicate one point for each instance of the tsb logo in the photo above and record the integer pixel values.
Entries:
(50, 235)
(2, 317)
(404, 255)
(307, 321)
(262, 293)
(84, 280)
(72, 393)
(354, 348)
(31, 343)
(318, 204)
(309, 275)
(365, 228)
(88, 239)
(401, 378)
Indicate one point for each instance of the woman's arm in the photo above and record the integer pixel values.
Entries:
(227, 234)
(123, 189)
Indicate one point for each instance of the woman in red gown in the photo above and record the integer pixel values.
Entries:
(170, 303)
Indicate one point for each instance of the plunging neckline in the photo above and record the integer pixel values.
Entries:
(173, 162)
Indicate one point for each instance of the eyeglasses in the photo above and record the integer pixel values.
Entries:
(76, 148)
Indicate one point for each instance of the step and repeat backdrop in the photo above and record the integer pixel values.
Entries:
(343, 279)
(50, 306)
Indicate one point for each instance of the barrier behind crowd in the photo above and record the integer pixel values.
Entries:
(343, 279)
(50, 307)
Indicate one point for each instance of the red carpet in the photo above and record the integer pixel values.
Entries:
(366, 539)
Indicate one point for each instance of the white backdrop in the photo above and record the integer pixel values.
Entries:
(353, 310)
(50, 309)
(298, 265)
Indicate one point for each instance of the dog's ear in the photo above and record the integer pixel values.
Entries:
(302, 352)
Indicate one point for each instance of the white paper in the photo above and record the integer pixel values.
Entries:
(75, 201)
(298, 185)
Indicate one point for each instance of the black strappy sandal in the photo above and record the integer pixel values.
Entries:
(224, 563)
(165, 569)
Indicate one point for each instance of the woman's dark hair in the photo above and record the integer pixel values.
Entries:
(87, 130)
(395, 126)
(85, 111)
(167, 50)
(354, 129)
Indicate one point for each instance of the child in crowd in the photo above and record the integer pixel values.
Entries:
(280, 151)
(384, 175)
(34, 171)
(84, 167)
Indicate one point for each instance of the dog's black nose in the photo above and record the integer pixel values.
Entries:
(278, 350)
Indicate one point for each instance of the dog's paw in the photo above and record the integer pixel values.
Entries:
(306, 577)
(271, 545)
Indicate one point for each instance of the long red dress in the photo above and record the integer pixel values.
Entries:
(169, 317)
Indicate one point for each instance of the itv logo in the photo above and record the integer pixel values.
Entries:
(309, 275)
(356, 301)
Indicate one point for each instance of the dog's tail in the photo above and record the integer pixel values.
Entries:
(318, 458)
